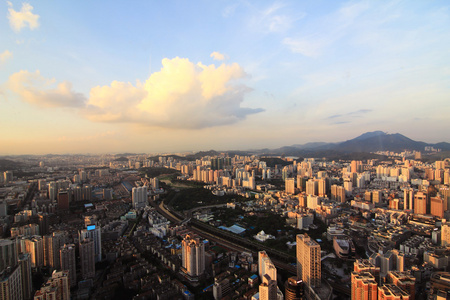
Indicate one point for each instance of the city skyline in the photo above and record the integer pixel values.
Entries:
(174, 77)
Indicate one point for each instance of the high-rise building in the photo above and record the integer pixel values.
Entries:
(420, 203)
(52, 245)
(193, 256)
(43, 223)
(56, 287)
(364, 265)
(268, 288)
(392, 292)
(437, 206)
(87, 192)
(408, 199)
(348, 186)
(308, 260)
(405, 281)
(3, 208)
(377, 197)
(47, 291)
(392, 260)
(444, 191)
(77, 193)
(42, 184)
(8, 176)
(25, 273)
(93, 232)
(266, 266)
(293, 289)
(11, 284)
(139, 197)
(155, 183)
(338, 193)
(8, 254)
(61, 279)
(63, 199)
(290, 185)
(35, 247)
(364, 286)
(301, 183)
(87, 258)
(312, 187)
(445, 234)
(322, 187)
(68, 262)
(83, 175)
(217, 163)
(52, 190)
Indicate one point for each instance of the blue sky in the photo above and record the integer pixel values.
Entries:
(157, 76)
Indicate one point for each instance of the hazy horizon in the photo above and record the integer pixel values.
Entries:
(167, 77)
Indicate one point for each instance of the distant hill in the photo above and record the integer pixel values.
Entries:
(381, 142)
(363, 145)
(201, 154)
(272, 161)
(6, 164)
(121, 159)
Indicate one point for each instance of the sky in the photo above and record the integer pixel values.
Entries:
(176, 76)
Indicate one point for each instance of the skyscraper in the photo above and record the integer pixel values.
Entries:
(11, 284)
(8, 254)
(437, 206)
(52, 190)
(266, 266)
(43, 223)
(193, 256)
(68, 262)
(308, 260)
(25, 273)
(56, 287)
(87, 258)
(312, 187)
(290, 185)
(52, 244)
(63, 200)
(94, 233)
(364, 286)
(445, 234)
(268, 288)
(35, 246)
(61, 279)
(139, 197)
(420, 203)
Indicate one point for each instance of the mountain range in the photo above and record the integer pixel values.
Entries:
(367, 142)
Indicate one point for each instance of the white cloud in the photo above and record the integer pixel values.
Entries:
(4, 56)
(229, 10)
(271, 20)
(22, 18)
(217, 56)
(303, 46)
(324, 32)
(35, 89)
(181, 95)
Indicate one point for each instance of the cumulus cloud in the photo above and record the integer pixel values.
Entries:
(181, 95)
(22, 18)
(4, 56)
(35, 89)
(217, 56)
